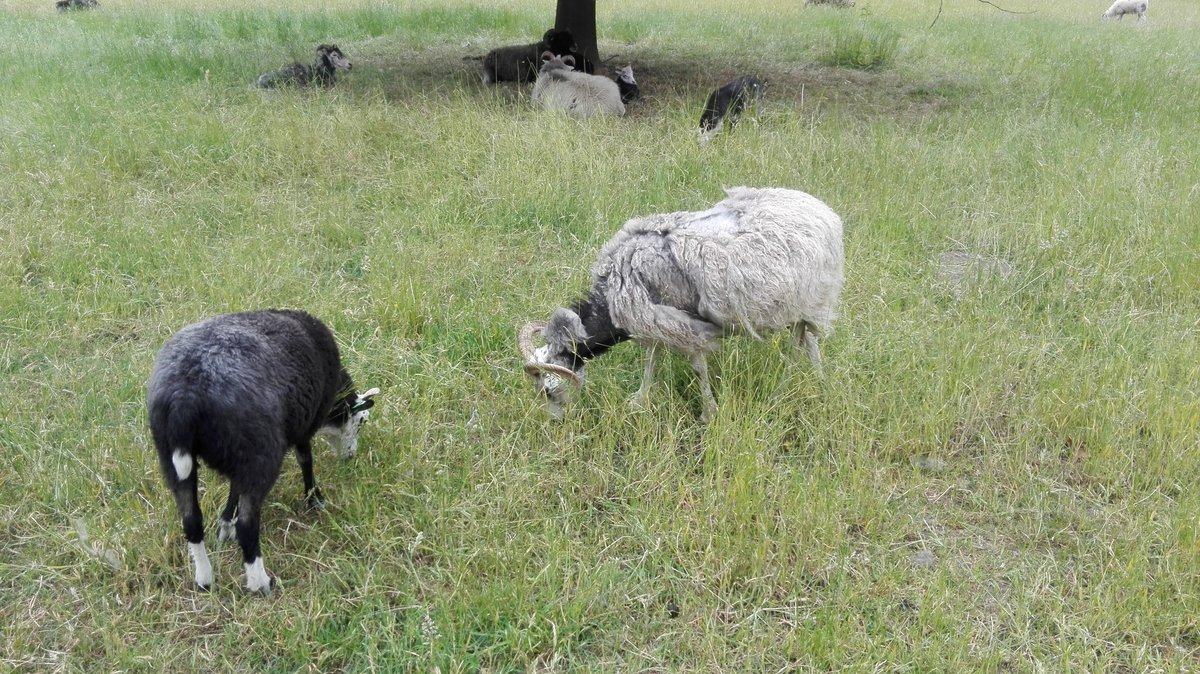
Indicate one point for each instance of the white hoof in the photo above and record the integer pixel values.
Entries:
(204, 573)
(257, 579)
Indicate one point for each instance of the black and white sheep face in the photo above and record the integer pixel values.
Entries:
(342, 428)
(334, 57)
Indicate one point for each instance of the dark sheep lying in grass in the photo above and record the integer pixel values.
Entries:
(236, 391)
(626, 84)
(520, 63)
(68, 5)
(726, 103)
(329, 60)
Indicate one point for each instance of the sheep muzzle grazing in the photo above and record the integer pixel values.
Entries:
(549, 379)
(348, 416)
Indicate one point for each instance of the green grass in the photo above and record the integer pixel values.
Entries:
(1012, 384)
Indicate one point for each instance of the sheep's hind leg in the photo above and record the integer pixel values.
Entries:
(700, 365)
(193, 528)
(639, 398)
(257, 579)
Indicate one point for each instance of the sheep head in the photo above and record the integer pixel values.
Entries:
(550, 365)
(552, 62)
(348, 415)
(334, 57)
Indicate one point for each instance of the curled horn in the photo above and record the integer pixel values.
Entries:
(525, 345)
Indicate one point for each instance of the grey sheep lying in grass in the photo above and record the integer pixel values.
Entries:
(322, 72)
(235, 391)
(560, 87)
(761, 259)
(68, 5)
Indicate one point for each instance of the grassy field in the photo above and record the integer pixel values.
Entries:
(999, 474)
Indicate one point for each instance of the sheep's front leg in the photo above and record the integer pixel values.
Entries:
(639, 398)
(806, 335)
(700, 364)
(312, 495)
(227, 530)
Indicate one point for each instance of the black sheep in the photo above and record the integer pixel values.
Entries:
(329, 60)
(520, 63)
(236, 391)
(68, 5)
(727, 102)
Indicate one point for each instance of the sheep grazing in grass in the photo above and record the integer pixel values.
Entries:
(626, 84)
(1122, 7)
(329, 60)
(68, 5)
(560, 87)
(520, 63)
(760, 259)
(727, 103)
(236, 391)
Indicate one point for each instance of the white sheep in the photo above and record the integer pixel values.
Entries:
(1122, 7)
(235, 391)
(761, 259)
(559, 87)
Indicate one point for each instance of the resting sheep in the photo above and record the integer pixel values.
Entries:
(329, 60)
(68, 5)
(236, 391)
(1122, 7)
(520, 63)
(761, 259)
(626, 84)
(560, 87)
(726, 103)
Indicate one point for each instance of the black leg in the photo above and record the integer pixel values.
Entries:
(257, 579)
(188, 503)
(227, 530)
(312, 495)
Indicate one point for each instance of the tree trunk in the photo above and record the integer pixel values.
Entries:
(579, 17)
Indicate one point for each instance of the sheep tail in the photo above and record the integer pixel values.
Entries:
(173, 422)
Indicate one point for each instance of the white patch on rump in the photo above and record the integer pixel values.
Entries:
(204, 575)
(183, 464)
(257, 579)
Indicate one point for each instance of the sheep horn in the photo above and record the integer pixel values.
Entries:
(525, 338)
(526, 347)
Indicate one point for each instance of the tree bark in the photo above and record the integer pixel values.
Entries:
(579, 17)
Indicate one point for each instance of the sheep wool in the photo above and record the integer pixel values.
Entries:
(578, 94)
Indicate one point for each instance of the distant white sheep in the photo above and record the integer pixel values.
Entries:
(559, 87)
(1122, 7)
(761, 259)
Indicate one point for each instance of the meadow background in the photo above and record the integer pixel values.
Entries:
(998, 475)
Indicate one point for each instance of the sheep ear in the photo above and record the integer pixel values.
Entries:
(564, 330)
(546, 56)
(569, 60)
